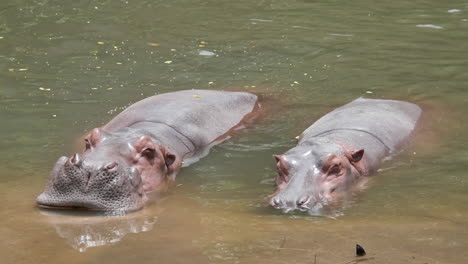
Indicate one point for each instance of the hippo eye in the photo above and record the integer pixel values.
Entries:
(87, 144)
(335, 169)
(149, 153)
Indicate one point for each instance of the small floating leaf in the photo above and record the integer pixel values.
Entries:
(196, 96)
(152, 44)
(100, 43)
(168, 62)
(108, 89)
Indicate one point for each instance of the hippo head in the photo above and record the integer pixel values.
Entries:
(115, 172)
(315, 174)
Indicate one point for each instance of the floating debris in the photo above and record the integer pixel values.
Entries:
(196, 96)
(100, 43)
(119, 63)
(261, 20)
(168, 62)
(210, 82)
(108, 89)
(369, 92)
(340, 34)
(54, 115)
(360, 251)
(206, 53)
(201, 46)
(44, 89)
(429, 26)
(153, 44)
(454, 10)
(11, 70)
(203, 42)
(173, 50)
(94, 88)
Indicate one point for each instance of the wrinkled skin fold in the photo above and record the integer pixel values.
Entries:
(141, 150)
(337, 153)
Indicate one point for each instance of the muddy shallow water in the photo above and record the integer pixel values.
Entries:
(68, 66)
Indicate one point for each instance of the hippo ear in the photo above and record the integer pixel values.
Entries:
(169, 159)
(277, 158)
(356, 156)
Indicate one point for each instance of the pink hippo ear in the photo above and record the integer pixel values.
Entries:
(277, 158)
(169, 159)
(356, 156)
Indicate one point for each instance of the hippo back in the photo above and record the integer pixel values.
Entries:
(389, 121)
(200, 115)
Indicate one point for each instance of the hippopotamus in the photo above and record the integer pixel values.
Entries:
(340, 150)
(141, 150)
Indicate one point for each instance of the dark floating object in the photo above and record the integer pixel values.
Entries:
(360, 251)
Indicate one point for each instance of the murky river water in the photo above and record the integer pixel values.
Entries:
(68, 66)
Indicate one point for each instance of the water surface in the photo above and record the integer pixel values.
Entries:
(69, 66)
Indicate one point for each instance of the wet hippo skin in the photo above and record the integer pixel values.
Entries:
(337, 151)
(140, 150)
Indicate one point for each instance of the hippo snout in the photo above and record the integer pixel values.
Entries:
(108, 185)
(302, 203)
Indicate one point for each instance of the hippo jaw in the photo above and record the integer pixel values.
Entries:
(312, 179)
(74, 184)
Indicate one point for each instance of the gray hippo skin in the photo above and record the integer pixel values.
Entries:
(335, 152)
(142, 148)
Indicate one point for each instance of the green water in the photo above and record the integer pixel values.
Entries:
(69, 66)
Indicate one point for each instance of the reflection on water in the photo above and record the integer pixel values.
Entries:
(83, 230)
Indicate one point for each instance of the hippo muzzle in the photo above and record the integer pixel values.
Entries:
(73, 183)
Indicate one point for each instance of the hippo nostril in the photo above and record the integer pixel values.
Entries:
(110, 166)
(303, 200)
(76, 160)
(276, 202)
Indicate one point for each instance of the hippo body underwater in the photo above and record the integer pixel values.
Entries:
(140, 150)
(336, 152)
